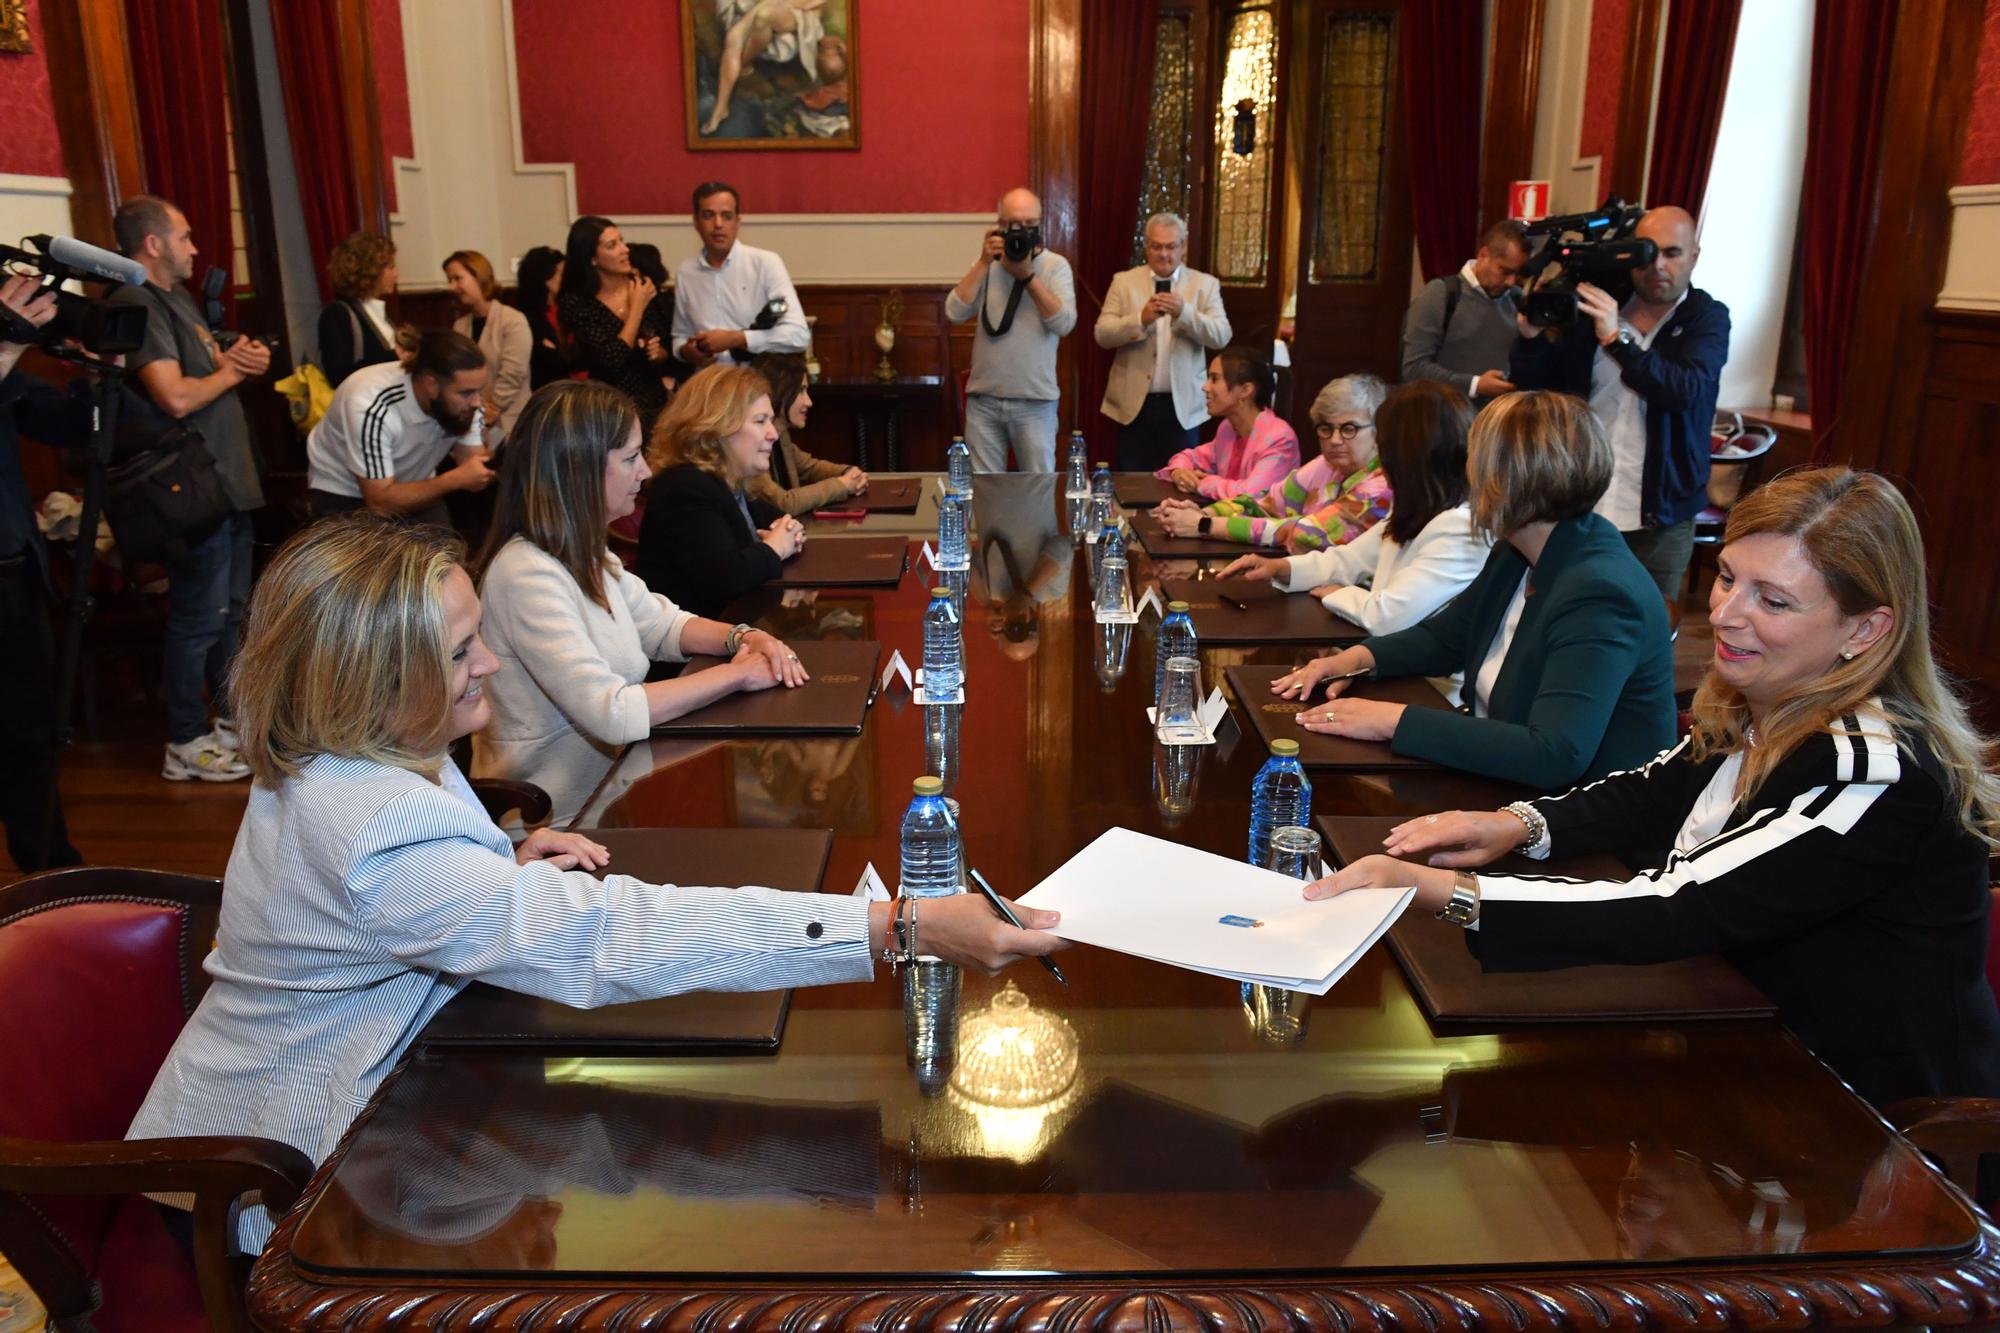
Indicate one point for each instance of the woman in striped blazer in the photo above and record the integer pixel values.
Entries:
(1826, 824)
(367, 886)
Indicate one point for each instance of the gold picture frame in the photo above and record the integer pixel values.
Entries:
(790, 70)
(14, 39)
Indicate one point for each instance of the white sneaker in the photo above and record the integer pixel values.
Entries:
(203, 758)
(224, 735)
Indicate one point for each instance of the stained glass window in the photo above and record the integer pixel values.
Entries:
(1354, 116)
(1169, 182)
(1243, 180)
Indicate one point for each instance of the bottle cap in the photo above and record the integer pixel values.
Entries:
(1287, 748)
(1177, 605)
(940, 592)
(930, 786)
(1101, 465)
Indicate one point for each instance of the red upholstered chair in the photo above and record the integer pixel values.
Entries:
(99, 970)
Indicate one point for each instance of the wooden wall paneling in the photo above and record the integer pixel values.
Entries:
(1949, 463)
(1055, 69)
(97, 110)
(364, 116)
(1513, 85)
(1635, 112)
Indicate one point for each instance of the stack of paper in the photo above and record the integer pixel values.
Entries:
(1157, 899)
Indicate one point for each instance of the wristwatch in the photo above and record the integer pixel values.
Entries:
(1207, 521)
(1462, 908)
(735, 640)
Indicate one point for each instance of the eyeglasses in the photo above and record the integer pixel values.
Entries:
(1346, 430)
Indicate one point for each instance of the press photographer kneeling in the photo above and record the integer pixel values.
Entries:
(1649, 362)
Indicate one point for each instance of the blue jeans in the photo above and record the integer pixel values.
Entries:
(206, 593)
(993, 423)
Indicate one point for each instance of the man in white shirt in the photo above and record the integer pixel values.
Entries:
(1162, 319)
(380, 443)
(732, 301)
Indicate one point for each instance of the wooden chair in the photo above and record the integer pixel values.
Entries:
(99, 971)
(502, 796)
(1737, 447)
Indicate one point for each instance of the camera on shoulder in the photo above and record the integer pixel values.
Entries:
(101, 327)
(1598, 248)
(1020, 240)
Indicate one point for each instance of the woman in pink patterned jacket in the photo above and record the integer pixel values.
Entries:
(1252, 450)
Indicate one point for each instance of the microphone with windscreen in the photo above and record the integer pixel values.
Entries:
(89, 261)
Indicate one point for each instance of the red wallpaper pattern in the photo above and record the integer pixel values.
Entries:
(392, 83)
(1980, 162)
(30, 146)
(943, 102)
(1604, 85)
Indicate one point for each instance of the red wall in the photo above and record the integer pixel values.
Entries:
(29, 146)
(942, 96)
(1604, 86)
(1980, 163)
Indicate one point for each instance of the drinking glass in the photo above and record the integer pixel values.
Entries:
(1278, 1015)
(1114, 591)
(1178, 722)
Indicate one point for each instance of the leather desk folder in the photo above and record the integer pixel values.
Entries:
(893, 495)
(1139, 490)
(1272, 718)
(1163, 547)
(1267, 616)
(832, 703)
(846, 562)
(701, 1022)
(1452, 988)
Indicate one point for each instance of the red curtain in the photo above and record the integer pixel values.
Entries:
(308, 42)
(1844, 131)
(1694, 76)
(1115, 102)
(1441, 50)
(180, 78)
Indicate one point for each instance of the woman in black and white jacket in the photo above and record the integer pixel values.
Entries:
(1825, 825)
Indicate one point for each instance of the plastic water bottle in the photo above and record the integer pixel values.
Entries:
(1100, 484)
(944, 648)
(958, 467)
(1076, 481)
(1108, 541)
(1281, 795)
(1176, 639)
(952, 550)
(930, 844)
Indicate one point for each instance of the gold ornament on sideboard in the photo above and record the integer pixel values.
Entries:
(885, 333)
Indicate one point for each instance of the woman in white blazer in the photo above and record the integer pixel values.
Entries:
(1426, 551)
(502, 333)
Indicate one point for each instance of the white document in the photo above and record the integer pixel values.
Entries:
(1174, 904)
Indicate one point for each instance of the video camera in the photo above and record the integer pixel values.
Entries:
(101, 327)
(1598, 248)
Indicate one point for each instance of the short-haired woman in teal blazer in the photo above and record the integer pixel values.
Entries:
(1562, 640)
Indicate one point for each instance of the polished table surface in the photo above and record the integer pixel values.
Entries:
(1204, 1166)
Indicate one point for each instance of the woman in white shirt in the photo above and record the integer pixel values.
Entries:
(1426, 551)
(502, 333)
(577, 632)
(367, 887)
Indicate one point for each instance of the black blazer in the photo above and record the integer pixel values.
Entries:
(339, 355)
(694, 546)
(1845, 888)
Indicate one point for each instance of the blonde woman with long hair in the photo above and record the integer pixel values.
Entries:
(704, 542)
(367, 886)
(1825, 825)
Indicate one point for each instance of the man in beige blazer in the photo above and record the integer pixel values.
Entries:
(1161, 319)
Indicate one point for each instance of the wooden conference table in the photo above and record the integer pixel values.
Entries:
(1196, 1172)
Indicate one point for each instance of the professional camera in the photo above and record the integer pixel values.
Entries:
(102, 328)
(1020, 240)
(1598, 248)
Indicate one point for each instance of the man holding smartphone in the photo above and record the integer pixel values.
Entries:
(1161, 319)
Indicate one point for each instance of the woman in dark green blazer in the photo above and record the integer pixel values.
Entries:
(1562, 640)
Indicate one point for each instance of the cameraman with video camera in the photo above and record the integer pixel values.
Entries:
(30, 806)
(1651, 370)
(1012, 396)
(191, 377)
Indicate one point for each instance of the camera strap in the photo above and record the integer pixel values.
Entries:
(1013, 305)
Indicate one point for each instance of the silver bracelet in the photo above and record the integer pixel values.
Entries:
(912, 958)
(1538, 827)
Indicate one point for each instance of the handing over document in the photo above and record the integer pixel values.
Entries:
(1157, 899)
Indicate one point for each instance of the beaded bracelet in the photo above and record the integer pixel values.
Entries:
(1538, 827)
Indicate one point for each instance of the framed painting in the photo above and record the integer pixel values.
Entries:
(770, 73)
(14, 27)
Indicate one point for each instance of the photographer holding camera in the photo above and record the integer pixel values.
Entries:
(192, 378)
(1012, 397)
(1651, 370)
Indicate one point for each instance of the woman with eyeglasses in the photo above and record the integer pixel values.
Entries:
(1333, 499)
(1253, 448)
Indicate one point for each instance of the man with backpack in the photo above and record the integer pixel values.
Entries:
(1460, 329)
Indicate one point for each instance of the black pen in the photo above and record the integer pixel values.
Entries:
(1236, 602)
(1007, 914)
